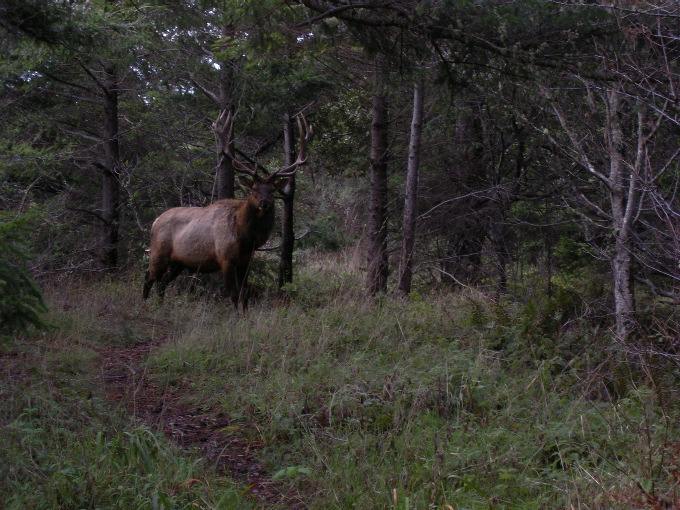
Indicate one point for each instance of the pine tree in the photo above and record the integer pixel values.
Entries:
(21, 302)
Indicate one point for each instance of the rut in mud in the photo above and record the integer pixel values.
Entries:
(226, 446)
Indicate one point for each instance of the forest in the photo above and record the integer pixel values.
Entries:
(469, 295)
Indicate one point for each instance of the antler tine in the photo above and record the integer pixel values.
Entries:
(305, 134)
(240, 167)
(224, 128)
(220, 117)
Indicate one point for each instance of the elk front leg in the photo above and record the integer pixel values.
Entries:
(157, 268)
(173, 272)
(148, 283)
(230, 282)
(243, 291)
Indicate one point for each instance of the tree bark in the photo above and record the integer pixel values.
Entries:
(467, 233)
(287, 218)
(225, 170)
(623, 186)
(411, 195)
(377, 270)
(623, 198)
(112, 170)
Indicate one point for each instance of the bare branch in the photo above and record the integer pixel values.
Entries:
(211, 95)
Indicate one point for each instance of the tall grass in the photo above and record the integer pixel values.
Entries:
(446, 401)
(408, 406)
(64, 445)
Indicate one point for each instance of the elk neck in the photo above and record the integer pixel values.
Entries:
(254, 222)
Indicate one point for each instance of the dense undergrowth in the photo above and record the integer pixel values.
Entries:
(63, 445)
(448, 401)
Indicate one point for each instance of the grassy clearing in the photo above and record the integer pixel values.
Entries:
(447, 401)
(63, 445)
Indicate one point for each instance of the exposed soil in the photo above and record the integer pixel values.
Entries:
(228, 447)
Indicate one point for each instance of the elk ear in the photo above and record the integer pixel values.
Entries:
(246, 181)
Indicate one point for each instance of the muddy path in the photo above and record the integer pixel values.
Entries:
(228, 447)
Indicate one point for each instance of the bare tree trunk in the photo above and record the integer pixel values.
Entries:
(409, 222)
(377, 270)
(623, 184)
(624, 205)
(111, 171)
(624, 291)
(287, 218)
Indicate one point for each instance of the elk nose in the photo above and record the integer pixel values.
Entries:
(265, 205)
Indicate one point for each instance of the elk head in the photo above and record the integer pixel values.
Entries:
(264, 186)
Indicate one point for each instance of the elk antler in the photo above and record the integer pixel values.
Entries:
(224, 129)
(305, 132)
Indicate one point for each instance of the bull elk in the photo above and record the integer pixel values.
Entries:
(224, 235)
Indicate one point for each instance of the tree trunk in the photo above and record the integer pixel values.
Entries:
(464, 252)
(499, 234)
(287, 219)
(623, 197)
(225, 170)
(469, 228)
(625, 191)
(624, 290)
(111, 172)
(411, 195)
(377, 270)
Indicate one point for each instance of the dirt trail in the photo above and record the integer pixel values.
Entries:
(226, 446)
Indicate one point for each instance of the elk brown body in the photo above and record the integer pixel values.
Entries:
(222, 236)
